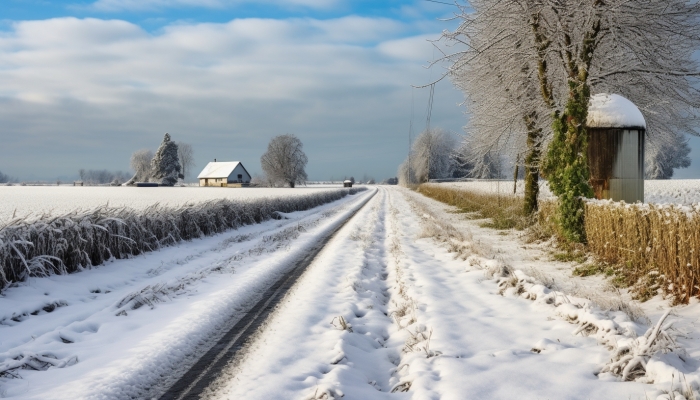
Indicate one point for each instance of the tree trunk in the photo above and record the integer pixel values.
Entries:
(515, 174)
(291, 184)
(532, 170)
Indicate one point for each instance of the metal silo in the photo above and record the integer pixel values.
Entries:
(616, 131)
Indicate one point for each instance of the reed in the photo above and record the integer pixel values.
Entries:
(82, 239)
(654, 246)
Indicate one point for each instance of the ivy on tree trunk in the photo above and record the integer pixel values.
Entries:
(566, 164)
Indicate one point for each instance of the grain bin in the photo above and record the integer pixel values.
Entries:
(616, 131)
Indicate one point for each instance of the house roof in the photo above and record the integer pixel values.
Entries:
(220, 169)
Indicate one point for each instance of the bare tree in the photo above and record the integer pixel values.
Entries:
(433, 154)
(284, 161)
(186, 155)
(530, 66)
(662, 160)
(404, 174)
(141, 164)
(432, 157)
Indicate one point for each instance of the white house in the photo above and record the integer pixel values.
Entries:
(224, 174)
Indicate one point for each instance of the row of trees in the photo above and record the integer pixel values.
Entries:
(172, 161)
(529, 67)
(4, 178)
(102, 176)
(438, 154)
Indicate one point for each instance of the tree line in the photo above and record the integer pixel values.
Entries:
(171, 162)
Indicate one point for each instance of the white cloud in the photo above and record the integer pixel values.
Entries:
(141, 5)
(87, 92)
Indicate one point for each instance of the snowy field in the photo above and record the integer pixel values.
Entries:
(672, 191)
(34, 201)
(408, 300)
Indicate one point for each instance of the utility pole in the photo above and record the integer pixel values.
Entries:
(427, 125)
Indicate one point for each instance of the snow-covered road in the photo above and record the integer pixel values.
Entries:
(383, 313)
(398, 304)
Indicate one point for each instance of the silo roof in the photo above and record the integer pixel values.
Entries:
(607, 110)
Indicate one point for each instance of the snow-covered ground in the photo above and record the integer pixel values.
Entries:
(408, 300)
(33, 201)
(115, 331)
(386, 309)
(670, 191)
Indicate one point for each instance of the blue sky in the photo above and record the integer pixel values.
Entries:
(83, 84)
(156, 14)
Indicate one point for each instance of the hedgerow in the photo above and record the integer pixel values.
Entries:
(82, 239)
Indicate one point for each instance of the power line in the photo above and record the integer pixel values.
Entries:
(440, 2)
(410, 133)
(430, 107)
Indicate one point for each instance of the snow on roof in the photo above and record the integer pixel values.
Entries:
(613, 111)
(218, 169)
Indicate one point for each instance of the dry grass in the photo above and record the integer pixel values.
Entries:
(644, 247)
(655, 247)
(505, 211)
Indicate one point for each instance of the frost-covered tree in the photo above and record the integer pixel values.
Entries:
(404, 174)
(530, 67)
(432, 157)
(285, 161)
(661, 160)
(185, 154)
(5, 178)
(165, 166)
(141, 164)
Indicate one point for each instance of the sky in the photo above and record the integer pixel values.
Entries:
(84, 84)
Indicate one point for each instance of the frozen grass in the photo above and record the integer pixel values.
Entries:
(78, 240)
(505, 211)
(33, 202)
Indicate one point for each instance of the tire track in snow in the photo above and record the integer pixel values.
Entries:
(196, 382)
(360, 338)
(160, 342)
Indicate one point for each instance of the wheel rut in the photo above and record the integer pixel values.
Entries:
(195, 382)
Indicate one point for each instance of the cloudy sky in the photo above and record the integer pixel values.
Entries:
(83, 84)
